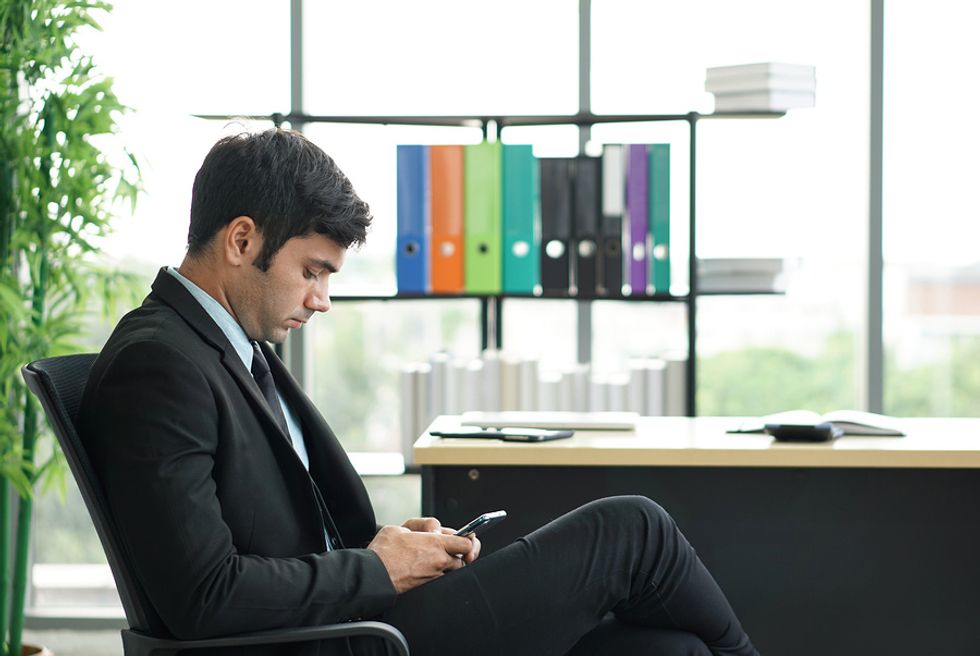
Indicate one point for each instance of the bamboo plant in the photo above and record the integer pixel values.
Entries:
(61, 175)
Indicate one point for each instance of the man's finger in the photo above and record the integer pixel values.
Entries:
(457, 545)
(424, 525)
(475, 553)
(454, 563)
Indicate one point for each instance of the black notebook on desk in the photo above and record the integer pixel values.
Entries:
(851, 422)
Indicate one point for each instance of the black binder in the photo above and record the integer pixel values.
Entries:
(587, 211)
(610, 265)
(556, 224)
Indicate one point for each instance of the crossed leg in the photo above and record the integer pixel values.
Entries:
(550, 592)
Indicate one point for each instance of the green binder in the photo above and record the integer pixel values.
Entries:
(520, 216)
(482, 218)
(660, 217)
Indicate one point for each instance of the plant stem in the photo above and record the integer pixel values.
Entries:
(5, 519)
(6, 212)
(8, 216)
(25, 510)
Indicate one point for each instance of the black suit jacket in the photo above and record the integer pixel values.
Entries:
(224, 523)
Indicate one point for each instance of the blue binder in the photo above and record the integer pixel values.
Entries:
(412, 258)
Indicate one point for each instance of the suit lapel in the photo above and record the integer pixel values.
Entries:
(174, 294)
(317, 441)
(330, 468)
(348, 505)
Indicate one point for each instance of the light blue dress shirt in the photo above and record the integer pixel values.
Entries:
(243, 346)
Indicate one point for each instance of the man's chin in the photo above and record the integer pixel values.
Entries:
(278, 337)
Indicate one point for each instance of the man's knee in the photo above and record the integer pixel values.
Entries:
(632, 505)
(631, 512)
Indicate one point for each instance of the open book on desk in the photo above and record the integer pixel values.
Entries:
(851, 422)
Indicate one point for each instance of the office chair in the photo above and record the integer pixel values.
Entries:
(58, 383)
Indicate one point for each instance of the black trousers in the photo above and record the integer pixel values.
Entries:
(615, 576)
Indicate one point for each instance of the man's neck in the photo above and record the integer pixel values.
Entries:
(208, 280)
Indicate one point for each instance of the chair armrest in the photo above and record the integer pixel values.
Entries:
(140, 644)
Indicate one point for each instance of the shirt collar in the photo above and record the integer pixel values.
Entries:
(231, 328)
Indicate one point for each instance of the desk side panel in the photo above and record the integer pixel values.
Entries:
(815, 561)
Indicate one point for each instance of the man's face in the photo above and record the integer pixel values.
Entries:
(269, 303)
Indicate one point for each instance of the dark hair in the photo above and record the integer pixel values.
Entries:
(285, 183)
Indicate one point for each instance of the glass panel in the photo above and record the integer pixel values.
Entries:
(763, 354)
(623, 330)
(359, 349)
(183, 57)
(932, 271)
(794, 188)
(441, 57)
(541, 329)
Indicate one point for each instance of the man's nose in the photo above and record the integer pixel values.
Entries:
(319, 301)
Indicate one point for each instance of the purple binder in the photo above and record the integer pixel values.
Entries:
(636, 209)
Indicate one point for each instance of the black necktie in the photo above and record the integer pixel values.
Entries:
(263, 376)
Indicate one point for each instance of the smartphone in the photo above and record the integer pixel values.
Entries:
(506, 434)
(482, 523)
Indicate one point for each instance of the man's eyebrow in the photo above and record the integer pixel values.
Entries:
(323, 264)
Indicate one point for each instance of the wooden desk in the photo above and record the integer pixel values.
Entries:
(858, 546)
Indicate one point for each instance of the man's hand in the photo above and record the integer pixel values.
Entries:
(432, 525)
(416, 557)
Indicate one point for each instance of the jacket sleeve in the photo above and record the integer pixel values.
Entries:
(151, 426)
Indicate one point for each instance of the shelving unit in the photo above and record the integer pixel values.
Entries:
(492, 305)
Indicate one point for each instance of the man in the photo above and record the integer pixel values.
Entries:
(241, 510)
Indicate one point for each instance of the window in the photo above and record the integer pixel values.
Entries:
(440, 57)
(792, 188)
(932, 272)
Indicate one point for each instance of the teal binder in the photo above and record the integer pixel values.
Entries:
(660, 217)
(520, 218)
(482, 218)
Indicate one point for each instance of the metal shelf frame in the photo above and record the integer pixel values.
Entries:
(491, 307)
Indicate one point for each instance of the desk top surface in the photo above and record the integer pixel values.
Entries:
(703, 442)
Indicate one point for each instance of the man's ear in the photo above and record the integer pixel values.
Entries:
(241, 242)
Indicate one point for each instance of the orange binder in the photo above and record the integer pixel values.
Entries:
(446, 250)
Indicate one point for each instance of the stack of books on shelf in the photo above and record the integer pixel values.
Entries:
(492, 218)
(739, 275)
(499, 382)
(764, 87)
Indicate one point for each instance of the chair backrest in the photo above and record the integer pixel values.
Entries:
(58, 384)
